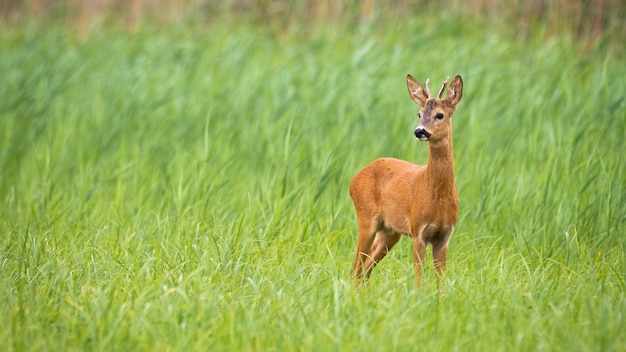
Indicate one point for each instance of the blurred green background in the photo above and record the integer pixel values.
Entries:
(174, 174)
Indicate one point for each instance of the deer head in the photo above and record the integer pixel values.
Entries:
(434, 117)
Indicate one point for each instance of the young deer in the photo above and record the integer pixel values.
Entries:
(394, 197)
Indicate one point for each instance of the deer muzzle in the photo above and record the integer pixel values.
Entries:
(421, 133)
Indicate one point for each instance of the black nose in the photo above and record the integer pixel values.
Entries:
(421, 133)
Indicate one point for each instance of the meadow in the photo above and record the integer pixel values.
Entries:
(185, 188)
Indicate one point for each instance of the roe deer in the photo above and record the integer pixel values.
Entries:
(394, 197)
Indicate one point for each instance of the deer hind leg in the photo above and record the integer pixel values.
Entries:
(367, 232)
(383, 242)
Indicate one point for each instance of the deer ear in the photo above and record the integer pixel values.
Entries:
(455, 91)
(416, 92)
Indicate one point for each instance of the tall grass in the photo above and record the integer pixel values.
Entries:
(186, 189)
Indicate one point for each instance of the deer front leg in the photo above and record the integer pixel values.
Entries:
(439, 260)
(419, 248)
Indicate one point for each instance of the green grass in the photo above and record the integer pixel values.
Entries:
(186, 189)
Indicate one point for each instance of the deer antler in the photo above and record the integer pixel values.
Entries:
(428, 88)
(442, 88)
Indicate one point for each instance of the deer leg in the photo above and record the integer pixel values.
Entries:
(439, 260)
(419, 250)
(363, 247)
(383, 242)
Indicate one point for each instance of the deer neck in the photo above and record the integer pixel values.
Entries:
(440, 168)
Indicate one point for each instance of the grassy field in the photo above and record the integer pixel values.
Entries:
(187, 189)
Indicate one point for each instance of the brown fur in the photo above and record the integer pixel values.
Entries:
(394, 197)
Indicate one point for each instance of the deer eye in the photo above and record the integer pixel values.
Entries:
(439, 116)
(419, 116)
